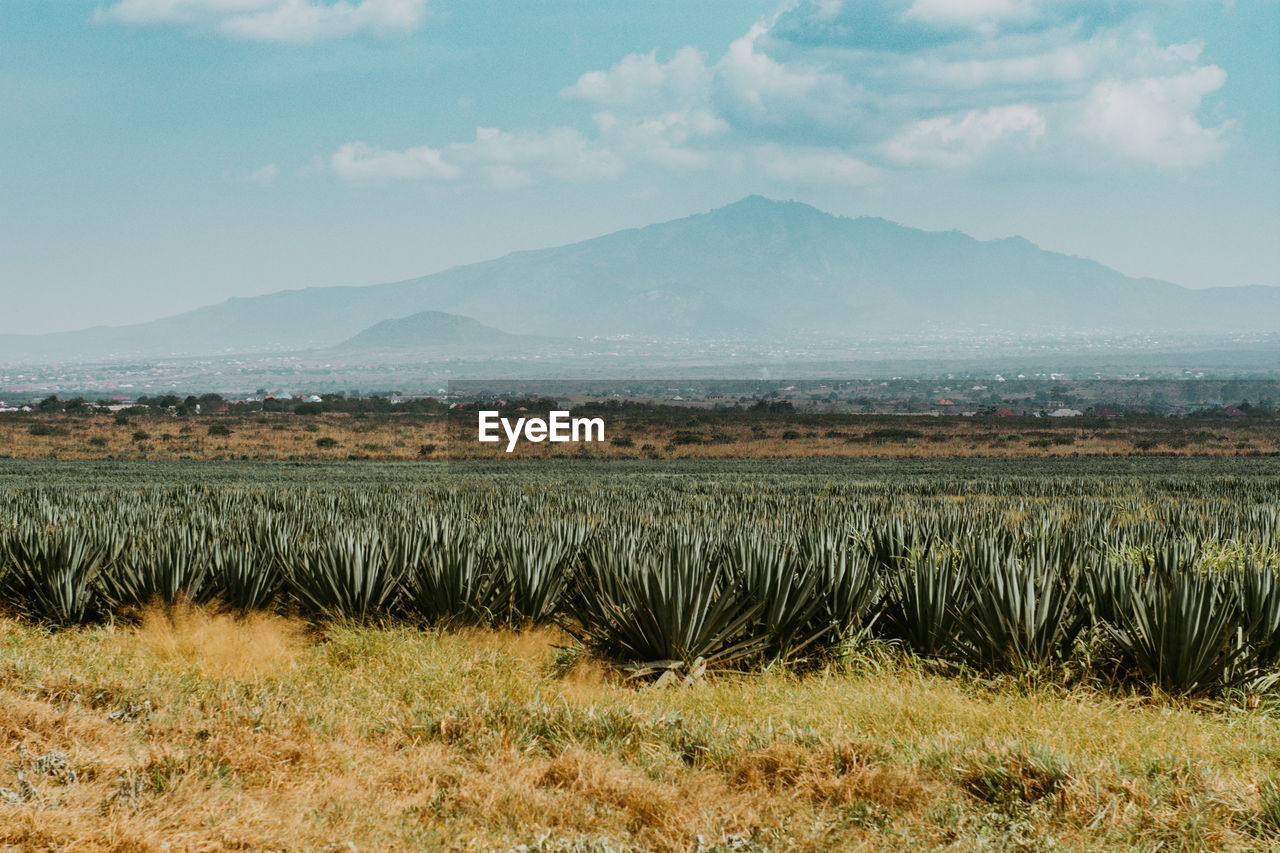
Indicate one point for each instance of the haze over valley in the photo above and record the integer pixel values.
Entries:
(755, 284)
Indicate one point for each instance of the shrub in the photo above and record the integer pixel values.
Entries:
(245, 575)
(1260, 623)
(534, 571)
(790, 589)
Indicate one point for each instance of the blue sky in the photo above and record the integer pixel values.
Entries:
(158, 155)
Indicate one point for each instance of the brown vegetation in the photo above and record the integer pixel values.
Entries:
(389, 437)
(194, 731)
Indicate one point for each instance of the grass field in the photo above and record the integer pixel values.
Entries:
(186, 728)
(197, 732)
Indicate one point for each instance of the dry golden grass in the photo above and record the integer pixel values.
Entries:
(197, 731)
(290, 437)
(217, 645)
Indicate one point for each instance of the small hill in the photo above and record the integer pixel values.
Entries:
(437, 332)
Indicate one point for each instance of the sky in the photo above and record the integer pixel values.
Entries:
(160, 155)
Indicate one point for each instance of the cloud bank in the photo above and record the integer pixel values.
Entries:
(852, 93)
(295, 21)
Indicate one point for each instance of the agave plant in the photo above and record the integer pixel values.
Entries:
(243, 577)
(171, 565)
(1110, 589)
(1023, 613)
(1260, 618)
(892, 543)
(1170, 555)
(1180, 631)
(662, 602)
(924, 604)
(534, 569)
(348, 576)
(449, 576)
(992, 579)
(51, 573)
(848, 584)
(792, 596)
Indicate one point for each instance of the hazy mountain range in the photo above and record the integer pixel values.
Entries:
(755, 269)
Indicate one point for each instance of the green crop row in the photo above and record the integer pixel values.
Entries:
(1168, 580)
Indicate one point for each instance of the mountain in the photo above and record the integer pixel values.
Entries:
(754, 269)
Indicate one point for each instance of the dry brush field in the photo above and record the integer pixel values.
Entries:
(337, 436)
(197, 732)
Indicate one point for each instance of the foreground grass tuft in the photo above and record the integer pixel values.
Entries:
(1015, 775)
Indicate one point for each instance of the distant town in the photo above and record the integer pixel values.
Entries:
(1019, 395)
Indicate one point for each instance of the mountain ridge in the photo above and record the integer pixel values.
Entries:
(757, 267)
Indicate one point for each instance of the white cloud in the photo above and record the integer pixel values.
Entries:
(266, 176)
(275, 20)
(671, 139)
(1049, 68)
(833, 92)
(360, 163)
(1154, 118)
(506, 177)
(961, 140)
(972, 12)
(813, 166)
(1063, 64)
(560, 152)
(503, 159)
(655, 112)
(760, 89)
(640, 79)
